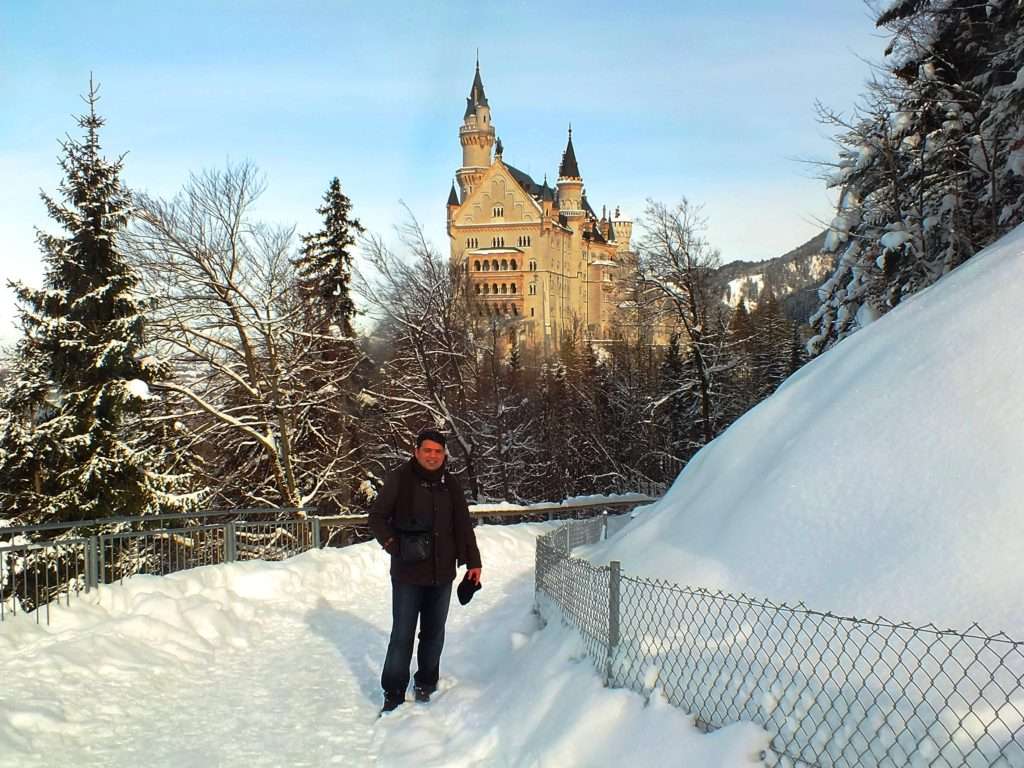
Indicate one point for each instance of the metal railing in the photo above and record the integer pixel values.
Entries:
(43, 566)
(833, 691)
(74, 558)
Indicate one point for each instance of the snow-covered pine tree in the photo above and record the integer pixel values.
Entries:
(740, 387)
(669, 406)
(72, 444)
(772, 353)
(931, 172)
(324, 265)
(323, 276)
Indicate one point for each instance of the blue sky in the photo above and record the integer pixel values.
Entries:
(711, 99)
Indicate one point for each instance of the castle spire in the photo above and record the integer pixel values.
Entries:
(477, 97)
(569, 169)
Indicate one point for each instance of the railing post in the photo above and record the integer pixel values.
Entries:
(614, 583)
(92, 563)
(102, 560)
(230, 543)
(315, 522)
(604, 526)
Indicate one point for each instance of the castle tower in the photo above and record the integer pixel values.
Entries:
(476, 136)
(570, 184)
(623, 231)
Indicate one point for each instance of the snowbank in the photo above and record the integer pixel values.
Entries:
(884, 478)
(270, 664)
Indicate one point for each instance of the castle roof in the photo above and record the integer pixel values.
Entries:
(532, 187)
(569, 169)
(586, 206)
(453, 197)
(476, 97)
(546, 192)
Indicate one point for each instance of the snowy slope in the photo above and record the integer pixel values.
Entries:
(884, 478)
(277, 664)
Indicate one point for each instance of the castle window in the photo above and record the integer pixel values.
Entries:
(533, 289)
(533, 265)
(504, 288)
(513, 264)
(478, 289)
(531, 311)
(515, 309)
(512, 288)
(498, 211)
(476, 265)
(524, 241)
(487, 288)
(487, 266)
(494, 265)
(504, 264)
(495, 288)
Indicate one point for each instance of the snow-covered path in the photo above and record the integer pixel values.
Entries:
(275, 664)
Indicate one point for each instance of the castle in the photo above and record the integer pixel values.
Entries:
(537, 258)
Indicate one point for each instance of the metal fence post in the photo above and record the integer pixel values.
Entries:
(102, 560)
(230, 543)
(315, 522)
(614, 582)
(92, 563)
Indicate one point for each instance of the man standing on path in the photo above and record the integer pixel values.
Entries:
(421, 518)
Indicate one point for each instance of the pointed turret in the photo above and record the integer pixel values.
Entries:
(453, 197)
(569, 169)
(570, 184)
(476, 136)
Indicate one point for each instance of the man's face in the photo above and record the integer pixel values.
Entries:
(430, 455)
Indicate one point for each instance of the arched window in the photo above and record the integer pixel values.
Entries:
(476, 265)
(487, 266)
(504, 288)
(533, 289)
(478, 289)
(494, 265)
(504, 264)
(515, 309)
(487, 288)
(494, 288)
(533, 265)
(512, 264)
(512, 288)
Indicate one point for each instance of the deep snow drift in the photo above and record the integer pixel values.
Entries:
(277, 664)
(884, 478)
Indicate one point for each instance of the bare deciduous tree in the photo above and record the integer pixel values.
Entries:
(253, 387)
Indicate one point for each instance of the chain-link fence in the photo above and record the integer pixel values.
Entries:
(834, 692)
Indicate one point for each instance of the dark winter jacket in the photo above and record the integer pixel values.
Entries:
(411, 502)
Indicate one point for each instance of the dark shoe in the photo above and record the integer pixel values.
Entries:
(392, 701)
(423, 694)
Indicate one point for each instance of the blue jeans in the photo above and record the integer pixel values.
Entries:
(429, 605)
